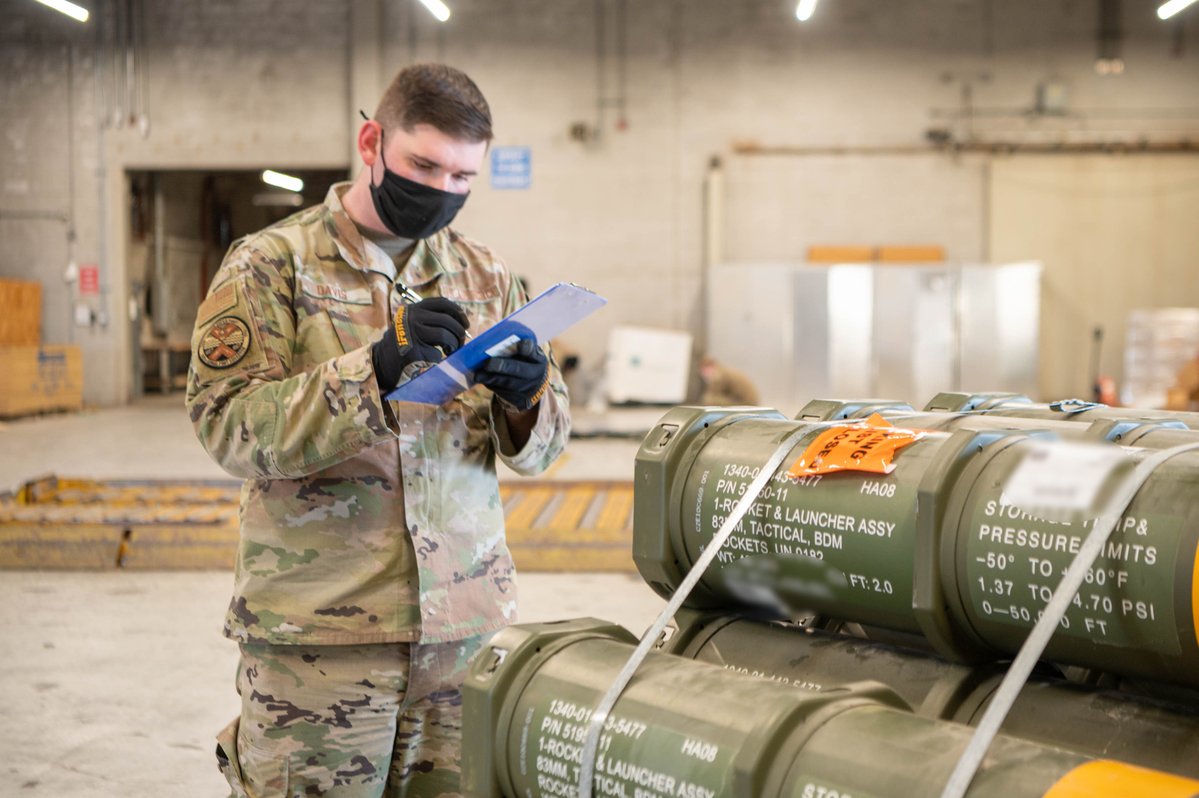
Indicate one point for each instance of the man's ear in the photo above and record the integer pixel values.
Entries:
(369, 141)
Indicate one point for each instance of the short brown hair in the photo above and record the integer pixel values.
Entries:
(437, 95)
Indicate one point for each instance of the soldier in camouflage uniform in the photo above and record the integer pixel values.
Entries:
(372, 562)
(724, 385)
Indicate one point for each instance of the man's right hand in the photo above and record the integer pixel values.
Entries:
(425, 331)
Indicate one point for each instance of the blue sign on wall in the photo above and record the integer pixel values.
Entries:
(511, 167)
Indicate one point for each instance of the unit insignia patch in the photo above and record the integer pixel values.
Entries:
(224, 343)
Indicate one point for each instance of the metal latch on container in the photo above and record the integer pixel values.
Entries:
(498, 655)
(668, 431)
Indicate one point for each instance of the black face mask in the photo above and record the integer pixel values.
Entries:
(410, 209)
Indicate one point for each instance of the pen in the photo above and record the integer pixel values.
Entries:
(410, 295)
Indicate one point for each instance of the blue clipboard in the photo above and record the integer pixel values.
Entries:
(546, 316)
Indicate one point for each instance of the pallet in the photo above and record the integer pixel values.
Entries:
(38, 379)
(78, 524)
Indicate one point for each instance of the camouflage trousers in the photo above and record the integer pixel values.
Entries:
(347, 721)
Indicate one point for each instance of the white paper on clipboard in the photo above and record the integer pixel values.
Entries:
(546, 316)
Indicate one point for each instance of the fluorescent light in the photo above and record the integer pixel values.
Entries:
(280, 180)
(805, 9)
(1167, 10)
(437, 9)
(70, 9)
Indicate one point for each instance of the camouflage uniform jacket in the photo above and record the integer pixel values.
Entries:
(362, 520)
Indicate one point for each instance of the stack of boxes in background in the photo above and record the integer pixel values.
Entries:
(1161, 358)
(34, 377)
(883, 253)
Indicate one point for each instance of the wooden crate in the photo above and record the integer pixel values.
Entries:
(34, 379)
(20, 313)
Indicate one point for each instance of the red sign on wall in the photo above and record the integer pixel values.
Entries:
(89, 278)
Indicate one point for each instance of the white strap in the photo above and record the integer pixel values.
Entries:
(600, 715)
(1030, 653)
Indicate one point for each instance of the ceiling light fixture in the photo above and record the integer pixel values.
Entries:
(280, 180)
(71, 10)
(437, 9)
(1167, 10)
(805, 9)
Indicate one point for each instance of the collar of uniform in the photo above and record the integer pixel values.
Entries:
(356, 250)
(429, 260)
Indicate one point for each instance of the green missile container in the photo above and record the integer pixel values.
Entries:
(1137, 612)
(930, 548)
(703, 459)
(1008, 404)
(692, 730)
(836, 409)
(1151, 433)
(1144, 731)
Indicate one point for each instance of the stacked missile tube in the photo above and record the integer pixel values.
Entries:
(1012, 405)
(1157, 429)
(1156, 731)
(933, 558)
(685, 728)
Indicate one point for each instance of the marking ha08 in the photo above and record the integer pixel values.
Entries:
(697, 730)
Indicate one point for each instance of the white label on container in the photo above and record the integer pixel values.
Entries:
(1061, 476)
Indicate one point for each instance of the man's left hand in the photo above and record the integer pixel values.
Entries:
(518, 379)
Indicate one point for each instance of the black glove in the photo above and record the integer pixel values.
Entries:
(518, 379)
(424, 331)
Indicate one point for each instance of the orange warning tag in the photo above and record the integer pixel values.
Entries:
(1108, 777)
(868, 445)
(1195, 595)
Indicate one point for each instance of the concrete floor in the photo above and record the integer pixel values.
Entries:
(115, 683)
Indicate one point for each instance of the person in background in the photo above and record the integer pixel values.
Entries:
(724, 385)
(372, 563)
(579, 383)
(1184, 393)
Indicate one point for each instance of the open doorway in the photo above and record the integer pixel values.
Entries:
(181, 223)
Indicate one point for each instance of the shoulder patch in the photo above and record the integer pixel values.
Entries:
(224, 343)
(217, 302)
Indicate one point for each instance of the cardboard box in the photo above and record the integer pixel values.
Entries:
(647, 364)
(840, 254)
(20, 313)
(34, 379)
(926, 253)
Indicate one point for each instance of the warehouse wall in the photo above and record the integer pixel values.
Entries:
(229, 84)
(268, 82)
(1098, 223)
